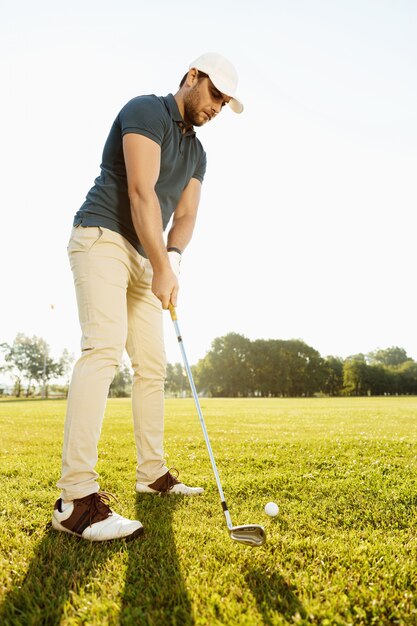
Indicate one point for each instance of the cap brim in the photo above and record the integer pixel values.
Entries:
(236, 105)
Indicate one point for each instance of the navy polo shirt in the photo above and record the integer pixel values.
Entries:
(182, 158)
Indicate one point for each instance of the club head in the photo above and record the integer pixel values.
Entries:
(250, 534)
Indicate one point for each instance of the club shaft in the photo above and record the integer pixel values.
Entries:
(201, 418)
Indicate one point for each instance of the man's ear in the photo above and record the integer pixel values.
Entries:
(192, 77)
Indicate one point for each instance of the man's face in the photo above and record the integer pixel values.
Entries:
(203, 102)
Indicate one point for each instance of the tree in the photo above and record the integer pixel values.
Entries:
(380, 379)
(176, 379)
(121, 386)
(333, 376)
(354, 375)
(225, 370)
(391, 371)
(405, 377)
(235, 366)
(306, 373)
(269, 368)
(390, 357)
(28, 361)
(9, 368)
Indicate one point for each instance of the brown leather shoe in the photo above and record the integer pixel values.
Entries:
(92, 518)
(169, 484)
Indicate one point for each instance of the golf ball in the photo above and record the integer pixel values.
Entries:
(271, 509)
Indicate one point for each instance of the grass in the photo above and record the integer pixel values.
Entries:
(343, 549)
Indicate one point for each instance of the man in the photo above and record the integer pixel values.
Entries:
(124, 274)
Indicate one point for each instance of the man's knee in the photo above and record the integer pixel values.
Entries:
(152, 369)
(105, 354)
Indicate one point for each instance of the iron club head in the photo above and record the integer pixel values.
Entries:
(251, 534)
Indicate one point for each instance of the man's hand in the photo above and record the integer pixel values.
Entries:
(165, 286)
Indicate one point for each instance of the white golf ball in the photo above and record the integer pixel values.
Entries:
(271, 509)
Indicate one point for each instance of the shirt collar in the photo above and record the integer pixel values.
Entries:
(172, 106)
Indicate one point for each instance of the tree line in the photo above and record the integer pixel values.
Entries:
(238, 367)
(235, 367)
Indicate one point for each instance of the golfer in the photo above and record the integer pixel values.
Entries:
(125, 274)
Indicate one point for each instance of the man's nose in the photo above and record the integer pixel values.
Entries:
(216, 107)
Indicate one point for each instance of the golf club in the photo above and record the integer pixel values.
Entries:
(250, 534)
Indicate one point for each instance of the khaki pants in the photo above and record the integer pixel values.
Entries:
(117, 309)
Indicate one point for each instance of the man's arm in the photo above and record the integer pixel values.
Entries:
(143, 160)
(185, 216)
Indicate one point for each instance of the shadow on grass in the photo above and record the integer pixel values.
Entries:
(274, 596)
(65, 570)
(155, 592)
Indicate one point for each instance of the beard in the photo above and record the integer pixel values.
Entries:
(192, 111)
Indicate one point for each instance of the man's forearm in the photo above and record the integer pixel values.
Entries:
(181, 232)
(147, 220)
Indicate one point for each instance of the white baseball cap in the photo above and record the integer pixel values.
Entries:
(222, 74)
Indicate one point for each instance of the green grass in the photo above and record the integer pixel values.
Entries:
(343, 549)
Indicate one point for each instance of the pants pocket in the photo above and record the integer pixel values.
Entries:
(83, 238)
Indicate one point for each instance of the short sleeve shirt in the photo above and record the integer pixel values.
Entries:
(182, 158)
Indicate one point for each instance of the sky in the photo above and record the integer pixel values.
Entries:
(306, 226)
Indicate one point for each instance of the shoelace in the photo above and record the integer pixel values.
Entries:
(100, 504)
(172, 479)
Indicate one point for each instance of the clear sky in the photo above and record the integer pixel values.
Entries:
(307, 222)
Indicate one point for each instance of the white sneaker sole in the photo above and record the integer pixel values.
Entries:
(88, 535)
(177, 490)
